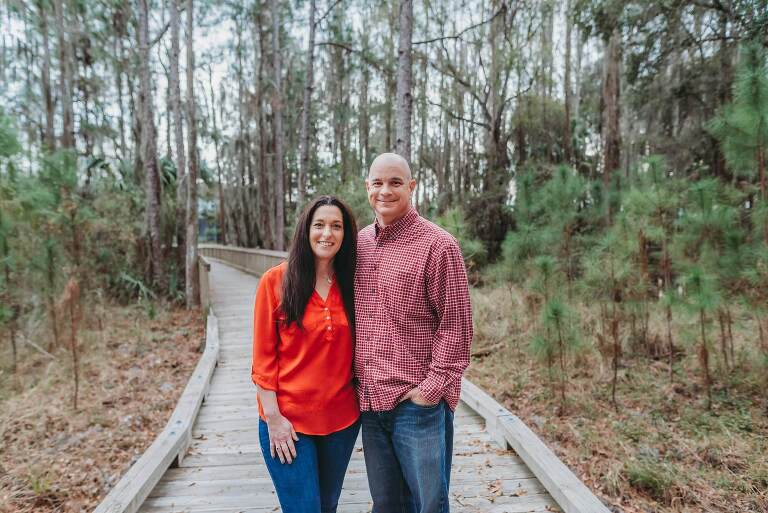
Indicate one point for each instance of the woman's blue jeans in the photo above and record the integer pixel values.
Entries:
(312, 483)
(408, 457)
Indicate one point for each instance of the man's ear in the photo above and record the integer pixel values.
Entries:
(411, 184)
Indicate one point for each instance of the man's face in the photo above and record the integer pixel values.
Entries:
(389, 188)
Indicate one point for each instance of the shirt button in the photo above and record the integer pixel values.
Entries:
(328, 328)
(328, 318)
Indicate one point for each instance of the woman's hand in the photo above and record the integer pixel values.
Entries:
(281, 438)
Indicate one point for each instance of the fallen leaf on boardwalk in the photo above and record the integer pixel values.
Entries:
(191, 484)
(200, 437)
(495, 489)
(520, 492)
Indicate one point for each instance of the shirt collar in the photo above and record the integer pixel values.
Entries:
(393, 230)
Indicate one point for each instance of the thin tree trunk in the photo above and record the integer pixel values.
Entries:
(178, 135)
(723, 339)
(51, 282)
(65, 72)
(118, 24)
(192, 286)
(306, 113)
(364, 124)
(219, 174)
(404, 81)
(149, 150)
(567, 84)
(277, 105)
(616, 354)
(50, 136)
(610, 130)
(704, 359)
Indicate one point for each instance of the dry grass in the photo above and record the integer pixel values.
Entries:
(659, 450)
(56, 459)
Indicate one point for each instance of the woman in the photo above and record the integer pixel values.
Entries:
(302, 360)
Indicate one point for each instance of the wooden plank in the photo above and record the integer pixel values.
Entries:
(466, 486)
(254, 458)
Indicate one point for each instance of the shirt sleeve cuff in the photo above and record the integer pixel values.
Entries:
(433, 388)
(266, 383)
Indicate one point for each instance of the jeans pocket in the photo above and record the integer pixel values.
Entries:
(427, 407)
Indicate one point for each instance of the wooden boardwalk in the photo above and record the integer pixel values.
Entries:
(223, 470)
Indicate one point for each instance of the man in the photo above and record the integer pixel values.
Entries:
(413, 334)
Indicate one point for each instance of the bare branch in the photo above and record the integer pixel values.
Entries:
(327, 12)
(458, 36)
(454, 73)
(381, 67)
(160, 35)
(459, 118)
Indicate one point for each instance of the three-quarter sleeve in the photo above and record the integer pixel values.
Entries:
(264, 370)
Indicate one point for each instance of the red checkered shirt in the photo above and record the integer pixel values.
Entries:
(412, 312)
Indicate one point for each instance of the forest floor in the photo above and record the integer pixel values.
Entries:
(659, 449)
(132, 371)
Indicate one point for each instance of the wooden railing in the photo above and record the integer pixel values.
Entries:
(171, 444)
(509, 431)
(249, 260)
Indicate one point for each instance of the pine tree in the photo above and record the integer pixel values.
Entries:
(742, 126)
(702, 297)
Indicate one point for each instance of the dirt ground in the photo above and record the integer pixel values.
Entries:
(54, 458)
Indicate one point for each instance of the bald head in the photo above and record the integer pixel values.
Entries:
(390, 185)
(391, 160)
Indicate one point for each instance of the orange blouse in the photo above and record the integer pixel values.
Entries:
(310, 369)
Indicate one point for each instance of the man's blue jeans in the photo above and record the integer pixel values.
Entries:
(408, 457)
(312, 483)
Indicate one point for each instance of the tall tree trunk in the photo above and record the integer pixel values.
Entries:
(119, 27)
(567, 84)
(50, 136)
(277, 109)
(192, 287)
(724, 90)
(364, 123)
(65, 72)
(266, 212)
(306, 113)
(404, 81)
(610, 130)
(149, 150)
(178, 136)
(222, 239)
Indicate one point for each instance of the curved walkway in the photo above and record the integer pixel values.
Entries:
(223, 470)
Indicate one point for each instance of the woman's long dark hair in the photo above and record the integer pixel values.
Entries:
(299, 278)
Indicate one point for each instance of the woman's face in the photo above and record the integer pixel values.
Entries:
(326, 232)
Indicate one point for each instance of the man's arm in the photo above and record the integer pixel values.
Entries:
(448, 293)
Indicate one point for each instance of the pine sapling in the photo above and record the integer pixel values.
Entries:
(69, 304)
